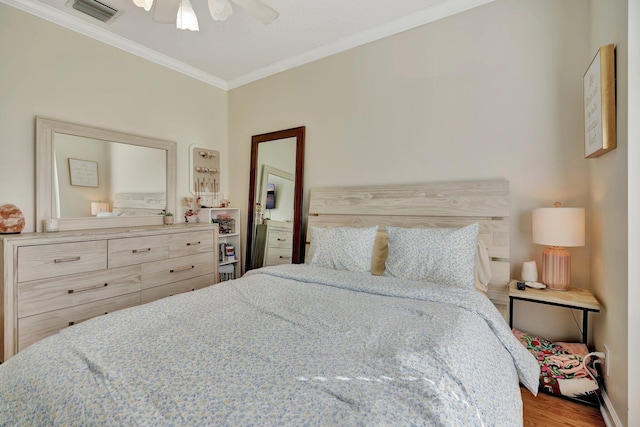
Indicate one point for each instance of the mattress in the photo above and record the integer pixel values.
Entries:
(284, 345)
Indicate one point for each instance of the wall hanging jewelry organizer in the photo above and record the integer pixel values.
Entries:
(204, 176)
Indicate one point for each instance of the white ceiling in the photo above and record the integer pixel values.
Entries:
(241, 49)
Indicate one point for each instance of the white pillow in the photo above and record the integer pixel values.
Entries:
(342, 248)
(441, 255)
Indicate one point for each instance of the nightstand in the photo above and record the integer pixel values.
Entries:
(575, 298)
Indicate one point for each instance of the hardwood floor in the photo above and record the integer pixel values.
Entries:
(548, 411)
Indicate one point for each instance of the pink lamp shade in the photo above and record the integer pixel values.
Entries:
(558, 228)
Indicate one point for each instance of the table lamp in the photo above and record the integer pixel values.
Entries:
(558, 228)
(97, 207)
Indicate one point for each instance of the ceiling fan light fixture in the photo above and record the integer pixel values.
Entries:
(220, 9)
(145, 4)
(186, 18)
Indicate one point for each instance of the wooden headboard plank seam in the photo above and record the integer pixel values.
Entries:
(471, 198)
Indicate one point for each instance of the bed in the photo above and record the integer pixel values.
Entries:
(299, 344)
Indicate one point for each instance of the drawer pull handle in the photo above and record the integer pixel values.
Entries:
(285, 257)
(91, 288)
(73, 322)
(185, 268)
(193, 243)
(68, 259)
(281, 240)
(137, 251)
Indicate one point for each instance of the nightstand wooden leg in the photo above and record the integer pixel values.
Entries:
(585, 325)
(511, 313)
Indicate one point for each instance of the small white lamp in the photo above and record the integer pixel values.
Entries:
(558, 228)
(96, 207)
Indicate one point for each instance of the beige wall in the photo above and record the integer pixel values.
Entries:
(634, 212)
(608, 207)
(493, 92)
(50, 71)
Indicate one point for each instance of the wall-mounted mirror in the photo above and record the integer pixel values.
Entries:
(274, 231)
(95, 178)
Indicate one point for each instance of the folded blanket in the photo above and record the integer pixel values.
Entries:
(562, 371)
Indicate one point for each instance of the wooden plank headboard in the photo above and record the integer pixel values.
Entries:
(433, 204)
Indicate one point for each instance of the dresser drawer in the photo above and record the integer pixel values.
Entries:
(137, 250)
(152, 294)
(280, 239)
(44, 261)
(192, 243)
(35, 328)
(277, 256)
(39, 296)
(175, 269)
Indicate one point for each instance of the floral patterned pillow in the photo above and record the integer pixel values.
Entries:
(441, 255)
(342, 248)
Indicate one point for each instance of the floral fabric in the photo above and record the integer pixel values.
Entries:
(342, 248)
(561, 369)
(445, 256)
(288, 345)
(555, 361)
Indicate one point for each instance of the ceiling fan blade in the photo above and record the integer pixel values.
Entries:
(165, 11)
(259, 10)
(220, 10)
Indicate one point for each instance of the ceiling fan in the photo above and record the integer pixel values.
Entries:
(181, 12)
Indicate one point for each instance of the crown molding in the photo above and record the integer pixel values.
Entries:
(409, 22)
(439, 11)
(72, 23)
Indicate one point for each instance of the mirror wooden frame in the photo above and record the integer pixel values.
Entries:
(45, 132)
(297, 255)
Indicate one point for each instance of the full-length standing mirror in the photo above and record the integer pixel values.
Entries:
(274, 231)
(96, 178)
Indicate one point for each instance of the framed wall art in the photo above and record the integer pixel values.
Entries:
(599, 92)
(83, 173)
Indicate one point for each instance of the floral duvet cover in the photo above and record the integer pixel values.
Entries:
(285, 345)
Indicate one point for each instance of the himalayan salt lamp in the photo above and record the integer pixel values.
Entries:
(11, 219)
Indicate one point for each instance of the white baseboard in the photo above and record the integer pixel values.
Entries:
(609, 413)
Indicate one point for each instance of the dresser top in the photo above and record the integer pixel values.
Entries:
(102, 233)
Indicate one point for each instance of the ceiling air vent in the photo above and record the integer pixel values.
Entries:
(96, 9)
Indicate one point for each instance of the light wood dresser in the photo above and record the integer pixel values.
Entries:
(54, 280)
(274, 243)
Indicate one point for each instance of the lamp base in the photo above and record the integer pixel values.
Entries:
(556, 268)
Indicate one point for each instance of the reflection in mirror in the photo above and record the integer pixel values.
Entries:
(131, 180)
(276, 194)
(275, 199)
(273, 241)
(96, 178)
